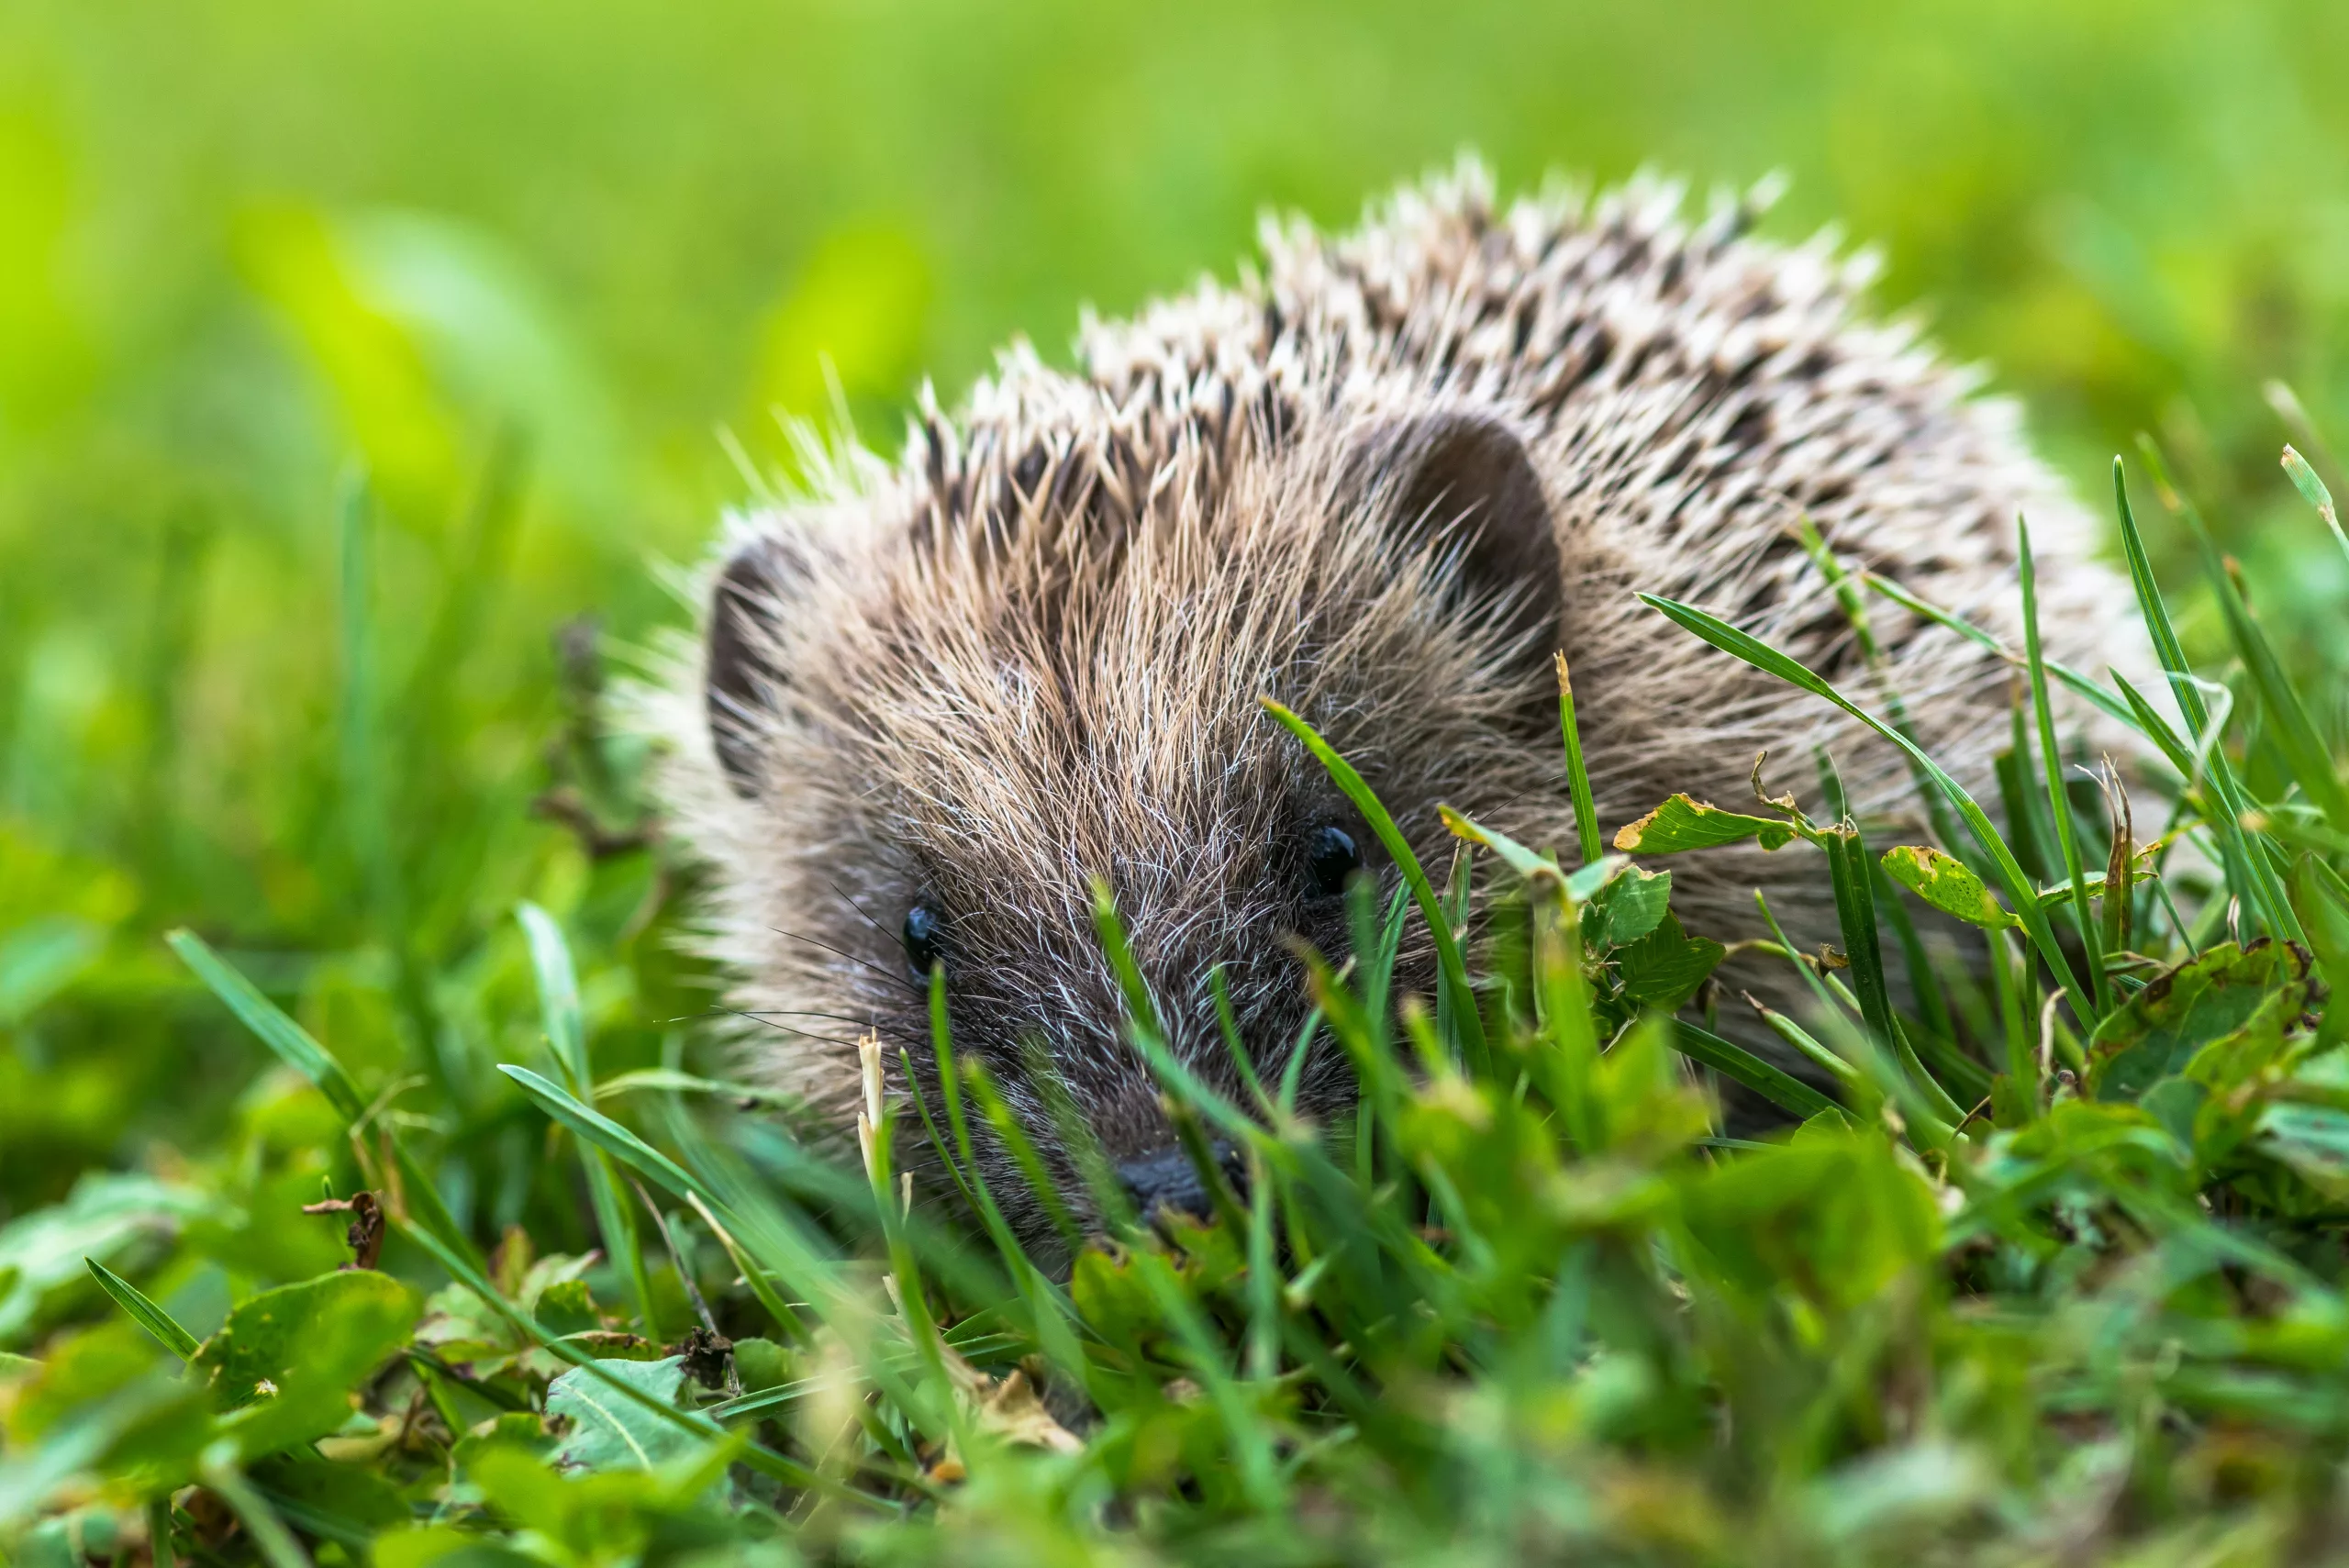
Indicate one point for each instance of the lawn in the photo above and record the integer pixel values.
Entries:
(367, 372)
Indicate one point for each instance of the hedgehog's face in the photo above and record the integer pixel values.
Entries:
(940, 741)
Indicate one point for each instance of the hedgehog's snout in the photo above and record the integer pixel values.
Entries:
(1168, 1180)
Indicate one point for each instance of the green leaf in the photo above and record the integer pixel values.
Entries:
(1834, 1215)
(697, 1424)
(106, 1214)
(567, 1308)
(334, 1502)
(2313, 1140)
(364, 1314)
(762, 1363)
(611, 1433)
(2162, 1028)
(284, 1360)
(1630, 905)
(1664, 968)
(1948, 885)
(145, 1313)
(1682, 823)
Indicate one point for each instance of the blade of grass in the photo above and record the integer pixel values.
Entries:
(2260, 880)
(1075, 1138)
(1848, 865)
(1768, 660)
(1566, 1067)
(1382, 1079)
(936, 1416)
(1360, 894)
(2029, 832)
(1055, 1307)
(1577, 776)
(1855, 612)
(143, 1312)
(2305, 481)
(1142, 1009)
(1352, 1216)
(558, 984)
(2157, 729)
(2050, 758)
(798, 1264)
(365, 770)
(1453, 1002)
(1782, 1089)
(1967, 1079)
(295, 1047)
(2081, 685)
(275, 1543)
(291, 1042)
(788, 1321)
(1022, 1151)
(1450, 964)
(566, 1030)
(599, 1131)
(1293, 1069)
(1924, 984)
(2309, 762)
(1847, 873)
(1808, 1045)
(364, 821)
(1250, 1441)
(1228, 1025)
(1869, 1067)
(1264, 1281)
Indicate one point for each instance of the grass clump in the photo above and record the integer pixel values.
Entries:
(2047, 1266)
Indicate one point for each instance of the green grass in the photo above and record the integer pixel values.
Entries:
(2057, 1278)
(360, 364)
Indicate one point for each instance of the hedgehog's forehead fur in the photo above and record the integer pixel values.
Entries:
(1030, 653)
(1032, 711)
(987, 719)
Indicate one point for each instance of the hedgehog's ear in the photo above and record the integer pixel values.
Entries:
(740, 678)
(1465, 481)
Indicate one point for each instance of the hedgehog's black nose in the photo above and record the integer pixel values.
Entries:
(1165, 1178)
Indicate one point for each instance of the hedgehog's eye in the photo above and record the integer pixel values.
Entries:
(924, 940)
(1331, 857)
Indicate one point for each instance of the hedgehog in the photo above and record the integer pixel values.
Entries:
(1385, 480)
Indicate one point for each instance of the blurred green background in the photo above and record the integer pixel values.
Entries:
(535, 268)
